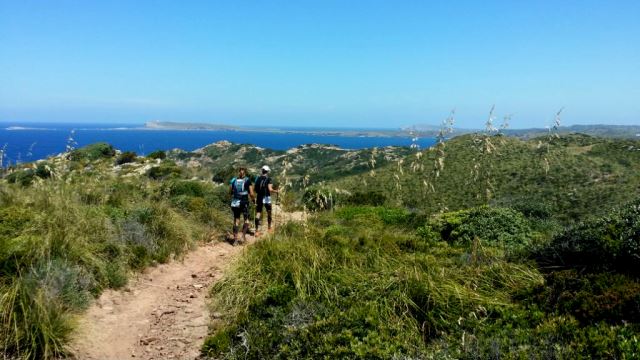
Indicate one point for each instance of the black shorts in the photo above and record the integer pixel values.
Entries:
(259, 206)
(242, 209)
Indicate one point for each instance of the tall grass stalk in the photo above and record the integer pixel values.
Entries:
(483, 163)
(545, 149)
(446, 129)
(372, 163)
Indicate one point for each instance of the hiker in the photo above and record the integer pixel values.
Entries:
(263, 189)
(240, 191)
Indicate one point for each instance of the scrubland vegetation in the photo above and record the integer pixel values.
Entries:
(73, 226)
(485, 246)
(372, 282)
(519, 249)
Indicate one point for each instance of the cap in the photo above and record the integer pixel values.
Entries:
(266, 168)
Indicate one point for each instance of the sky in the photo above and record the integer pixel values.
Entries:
(320, 63)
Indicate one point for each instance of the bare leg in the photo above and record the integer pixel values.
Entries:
(235, 230)
(245, 228)
(257, 221)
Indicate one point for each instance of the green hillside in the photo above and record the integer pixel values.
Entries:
(314, 162)
(517, 249)
(566, 178)
(545, 271)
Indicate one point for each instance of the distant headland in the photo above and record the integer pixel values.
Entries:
(167, 125)
(611, 131)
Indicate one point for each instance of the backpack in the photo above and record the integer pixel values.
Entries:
(261, 184)
(238, 187)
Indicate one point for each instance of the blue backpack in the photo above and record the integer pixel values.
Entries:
(238, 187)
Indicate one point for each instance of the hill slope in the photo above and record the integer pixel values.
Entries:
(567, 178)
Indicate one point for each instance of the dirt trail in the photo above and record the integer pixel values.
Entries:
(162, 314)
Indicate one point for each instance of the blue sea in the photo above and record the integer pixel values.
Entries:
(24, 142)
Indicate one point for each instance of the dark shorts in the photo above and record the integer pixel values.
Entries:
(242, 209)
(259, 206)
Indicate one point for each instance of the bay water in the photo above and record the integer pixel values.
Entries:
(25, 142)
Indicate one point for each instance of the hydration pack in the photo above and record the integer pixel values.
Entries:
(238, 187)
(261, 184)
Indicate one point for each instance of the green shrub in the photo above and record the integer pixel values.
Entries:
(43, 171)
(93, 152)
(166, 169)
(217, 197)
(219, 343)
(159, 154)
(126, 157)
(223, 175)
(165, 232)
(609, 243)
(494, 226)
(590, 298)
(186, 187)
(116, 275)
(557, 337)
(21, 177)
(373, 198)
(196, 205)
(533, 209)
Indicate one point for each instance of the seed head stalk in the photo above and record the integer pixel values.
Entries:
(552, 134)
(430, 179)
(481, 172)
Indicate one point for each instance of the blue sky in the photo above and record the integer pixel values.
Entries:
(320, 63)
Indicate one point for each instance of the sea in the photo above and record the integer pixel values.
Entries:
(26, 142)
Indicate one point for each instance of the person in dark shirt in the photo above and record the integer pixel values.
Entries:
(263, 190)
(240, 191)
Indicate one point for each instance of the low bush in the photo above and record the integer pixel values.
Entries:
(22, 177)
(186, 187)
(159, 154)
(590, 298)
(92, 152)
(373, 198)
(43, 170)
(500, 227)
(224, 175)
(126, 157)
(167, 169)
(609, 243)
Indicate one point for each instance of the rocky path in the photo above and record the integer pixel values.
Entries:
(162, 314)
